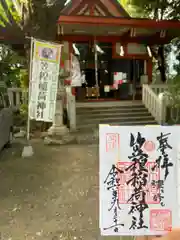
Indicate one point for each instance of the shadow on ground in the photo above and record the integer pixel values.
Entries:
(53, 195)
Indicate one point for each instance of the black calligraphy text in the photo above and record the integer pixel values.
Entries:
(112, 182)
(138, 180)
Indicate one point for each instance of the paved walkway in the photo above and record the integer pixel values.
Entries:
(53, 195)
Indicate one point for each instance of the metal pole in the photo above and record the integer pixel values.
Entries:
(96, 67)
(29, 92)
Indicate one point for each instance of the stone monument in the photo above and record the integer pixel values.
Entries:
(58, 133)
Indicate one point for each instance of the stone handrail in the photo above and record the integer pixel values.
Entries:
(153, 102)
(159, 88)
(17, 96)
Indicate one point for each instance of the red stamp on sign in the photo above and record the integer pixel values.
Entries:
(125, 190)
(161, 220)
(112, 142)
(149, 146)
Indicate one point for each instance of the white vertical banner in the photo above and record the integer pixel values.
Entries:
(139, 180)
(44, 80)
(76, 78)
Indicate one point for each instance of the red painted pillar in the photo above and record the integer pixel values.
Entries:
(149, 70)
(73, 91)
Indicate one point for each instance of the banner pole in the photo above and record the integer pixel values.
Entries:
(29, 92)
(96, 68)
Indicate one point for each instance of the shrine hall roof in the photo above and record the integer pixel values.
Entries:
(120, 29)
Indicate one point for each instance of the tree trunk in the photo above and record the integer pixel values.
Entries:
(162, 63)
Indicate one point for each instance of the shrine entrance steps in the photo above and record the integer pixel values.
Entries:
(125, 113)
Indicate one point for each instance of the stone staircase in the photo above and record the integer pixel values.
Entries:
(126, 113)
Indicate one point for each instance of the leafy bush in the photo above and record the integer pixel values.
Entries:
(24, 78)
(174, 92)
(173, 96)
(24, 110)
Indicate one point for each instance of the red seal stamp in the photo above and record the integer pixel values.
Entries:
(161, 220)
(125, 190)
(149, 146)
(112, 142)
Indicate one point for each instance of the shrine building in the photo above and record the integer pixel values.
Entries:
(114, 50)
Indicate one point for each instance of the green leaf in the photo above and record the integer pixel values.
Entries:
(3, 16)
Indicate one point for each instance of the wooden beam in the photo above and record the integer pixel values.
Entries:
(84, 10)
(92, 10)
(163, 33)
(75, 6)
(149, 40)
(133, 22)
(78, 8)
(104, 9)
(90, 4)
(126, 34)
(133, 32)
(98, 11)
(70, 7)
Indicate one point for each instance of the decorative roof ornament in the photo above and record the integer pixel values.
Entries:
(67, 2)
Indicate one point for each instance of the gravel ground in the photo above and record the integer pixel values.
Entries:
(53, 195)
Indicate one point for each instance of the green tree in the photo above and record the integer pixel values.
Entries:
(21, 18)
(10, 18)
(43, 16)
(160, 10)
(10, 66)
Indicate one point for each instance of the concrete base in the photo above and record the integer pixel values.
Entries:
(58, 135)
(75, 137)
(66, 139)
(27, 151)
(58, 130)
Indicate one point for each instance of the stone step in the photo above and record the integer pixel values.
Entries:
(110, 109)
(108, 115)
(125, 114)
(93, 126)
(113, 119)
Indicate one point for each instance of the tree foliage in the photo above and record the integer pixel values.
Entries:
(10, 66)
(159, 10)
(42, 20)
(155, 9)
(10, 18)
(18, 19)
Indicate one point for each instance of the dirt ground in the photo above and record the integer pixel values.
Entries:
(53, 195)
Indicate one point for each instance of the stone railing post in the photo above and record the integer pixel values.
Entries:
(162, 107)
(10, 96)
(71, 109)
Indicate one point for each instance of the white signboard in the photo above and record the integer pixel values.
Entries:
(134, 48)
(44, 82)
(106, 88)
(75, 72)
(118, 76)
(138, 180)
